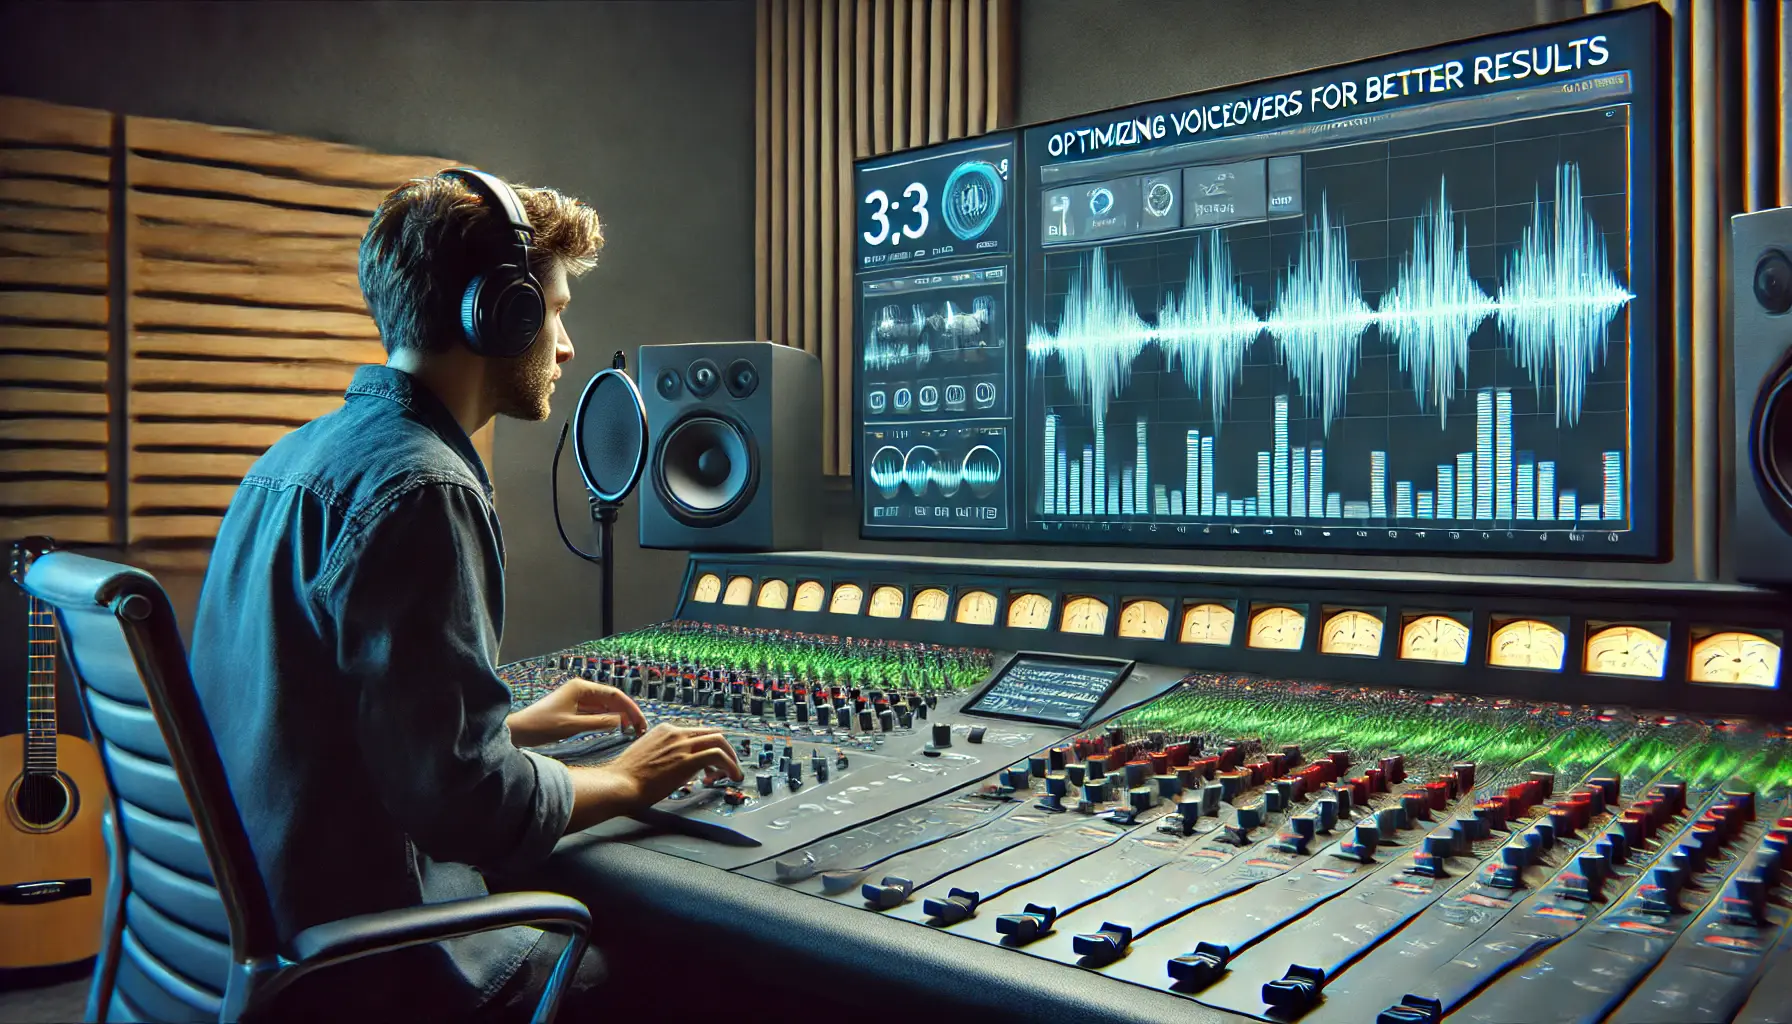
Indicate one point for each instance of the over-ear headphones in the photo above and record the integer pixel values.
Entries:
(503, 308)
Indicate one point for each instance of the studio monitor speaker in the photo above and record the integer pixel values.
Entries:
(734, 460)
(1761, 297)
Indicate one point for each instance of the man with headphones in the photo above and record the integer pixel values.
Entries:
(350, 617)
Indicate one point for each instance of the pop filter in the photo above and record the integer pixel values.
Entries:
(609, 428)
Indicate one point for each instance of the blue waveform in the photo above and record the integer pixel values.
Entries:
(1559, 293)
(1434, 307)
(1319, 318)
(886, 471)
(923, 467)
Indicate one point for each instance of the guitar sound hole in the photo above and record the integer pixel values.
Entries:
(41, 800)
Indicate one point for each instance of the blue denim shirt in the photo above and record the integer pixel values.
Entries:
(343, 652)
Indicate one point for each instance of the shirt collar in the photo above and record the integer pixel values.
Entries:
(416, 398)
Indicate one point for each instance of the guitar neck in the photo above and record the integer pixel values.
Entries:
(40, 691)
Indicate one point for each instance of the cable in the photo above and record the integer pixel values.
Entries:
(554, 485)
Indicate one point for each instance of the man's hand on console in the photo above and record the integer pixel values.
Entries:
(648, 771)
(576, 706)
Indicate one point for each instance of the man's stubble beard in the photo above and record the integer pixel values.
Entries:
(524, 387)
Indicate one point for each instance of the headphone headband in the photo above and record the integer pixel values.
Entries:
(505, 198)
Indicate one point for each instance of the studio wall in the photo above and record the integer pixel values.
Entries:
(642, 109)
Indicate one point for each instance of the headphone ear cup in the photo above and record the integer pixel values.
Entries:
(501, 313)
(519, 314)
(470, 315)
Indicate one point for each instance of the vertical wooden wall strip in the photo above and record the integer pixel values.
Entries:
(1706, 229)
(1000, 38)
(955, 69)
(793, 176)
(977, 70)
(811, 185)
(853, 92)
(828, 207)
(901, 45)
(773, 111)
(762, 171)
(937, 19)
(1785, 104)
(879, 78)
(917, 74)
(838, 457)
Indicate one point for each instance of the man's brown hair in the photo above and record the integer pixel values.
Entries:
(429, 238)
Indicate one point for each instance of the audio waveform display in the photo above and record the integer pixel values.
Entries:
(1557, 296)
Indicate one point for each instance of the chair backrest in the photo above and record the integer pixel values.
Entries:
(189, 925)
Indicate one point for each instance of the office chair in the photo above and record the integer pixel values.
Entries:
(189, 933)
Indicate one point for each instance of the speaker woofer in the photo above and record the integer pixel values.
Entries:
(1770, 448)
(706, 468)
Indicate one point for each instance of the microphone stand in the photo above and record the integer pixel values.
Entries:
(603, 513)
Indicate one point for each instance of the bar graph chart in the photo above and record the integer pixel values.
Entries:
(1493, 484)
(1443, 342)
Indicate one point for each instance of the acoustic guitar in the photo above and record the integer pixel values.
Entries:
(52, 852)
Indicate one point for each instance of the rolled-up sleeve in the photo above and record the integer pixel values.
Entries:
(413, 597)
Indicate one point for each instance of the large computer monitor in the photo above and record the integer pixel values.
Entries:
(1412, 303)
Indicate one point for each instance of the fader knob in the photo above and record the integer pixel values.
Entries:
(765, 783)
(1142, 798)
(942, 736)
(958, 905)
(824, 715)
(1024, 927)
(1327, 812)
(886, 720)
(866, 722)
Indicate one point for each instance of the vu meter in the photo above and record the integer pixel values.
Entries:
(1738, 659)
(1351, 632)
(708, 588)
(1030, 611)
(1208, 624)
(848, 600)
(1278, 629)
(809, 595)
(740, 591)
(886, 603)
(1144, 620)
(1627, 651)
(1527, 643)
(774, 594)
(1434, 638)
(929, 605)
(1085, 615)
(977, 608)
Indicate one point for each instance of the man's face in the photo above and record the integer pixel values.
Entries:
(525, 385)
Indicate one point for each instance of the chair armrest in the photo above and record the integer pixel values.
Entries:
(367, 934)
(326, 945)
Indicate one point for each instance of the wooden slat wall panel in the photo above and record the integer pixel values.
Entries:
(245, 316)
(839, 80)
(55, 197)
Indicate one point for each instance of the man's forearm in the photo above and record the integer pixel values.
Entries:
(599, 794)
(520, 734)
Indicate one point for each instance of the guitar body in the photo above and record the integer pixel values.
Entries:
(46, 836)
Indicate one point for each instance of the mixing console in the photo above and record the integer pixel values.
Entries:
(1005, 805)
(1274, 849)
(829, 730)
